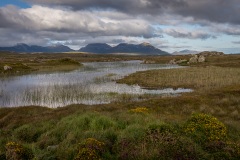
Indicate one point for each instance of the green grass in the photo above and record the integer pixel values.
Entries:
(63, 61)
(16, 68)
(125, 135)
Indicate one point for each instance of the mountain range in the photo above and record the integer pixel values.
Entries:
(98, 48)
(103, 48)
(21, 47)
(185, 52)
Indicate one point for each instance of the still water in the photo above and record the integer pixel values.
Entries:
(92, 84)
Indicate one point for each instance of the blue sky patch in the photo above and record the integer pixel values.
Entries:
(18, 3)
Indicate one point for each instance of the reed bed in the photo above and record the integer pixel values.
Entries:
(199, 78)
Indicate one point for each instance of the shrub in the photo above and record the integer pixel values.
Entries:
(160, 128)
(2, 156)
(205, 128)
(158, 144)
(15, 151)
(90, 149)
(139, 110)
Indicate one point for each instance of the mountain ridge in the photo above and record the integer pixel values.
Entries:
(97, 48)
(185, 52)
(21, 47)
(103, 48)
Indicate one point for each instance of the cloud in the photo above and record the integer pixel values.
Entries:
(86, 22)
(226, 29)
(78, 22)
(126, 6)
(9, 37)
(220, 11)
(11, 18)
(180, 33)
(236, 42)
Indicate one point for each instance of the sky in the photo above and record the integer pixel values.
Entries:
(170, 25)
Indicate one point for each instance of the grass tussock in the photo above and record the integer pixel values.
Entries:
(63, 61)
(126, 135)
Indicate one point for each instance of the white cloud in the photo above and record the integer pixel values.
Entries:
(94, 23)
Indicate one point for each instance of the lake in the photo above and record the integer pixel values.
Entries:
(94, 83)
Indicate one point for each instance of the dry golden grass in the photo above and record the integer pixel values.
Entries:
(199, 78)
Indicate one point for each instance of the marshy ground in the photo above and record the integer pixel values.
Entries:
(203, 124)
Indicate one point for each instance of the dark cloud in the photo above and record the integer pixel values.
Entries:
(129, 6)
(220, 11)
(9, 37)
(85, 23)
(10, 18)
(233, 30)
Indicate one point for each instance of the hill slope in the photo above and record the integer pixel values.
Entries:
(26, 48)
(143, 48)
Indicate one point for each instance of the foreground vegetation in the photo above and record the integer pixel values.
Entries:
(129, 134)
(203, 124)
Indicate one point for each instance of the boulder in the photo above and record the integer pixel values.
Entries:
(193, 59)
(201, 59)
(149, 62)
(6, 68)
(173, 61)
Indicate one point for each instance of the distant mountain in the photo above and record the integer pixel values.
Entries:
(143, 48)
(26, 48)
(59, 48)
(97, 48)
(186, 51)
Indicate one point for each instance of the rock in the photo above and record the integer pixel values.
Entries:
(52, 148)
(6, 68)
(193, 59)
(173, 61)
(149, 62)
(201, 59)
(182, 61)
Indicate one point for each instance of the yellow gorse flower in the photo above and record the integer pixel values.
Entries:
(139, 110)
(211, 127)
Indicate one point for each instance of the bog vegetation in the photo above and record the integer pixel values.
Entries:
(203, 124)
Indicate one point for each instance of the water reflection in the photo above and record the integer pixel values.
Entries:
(92, 84)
